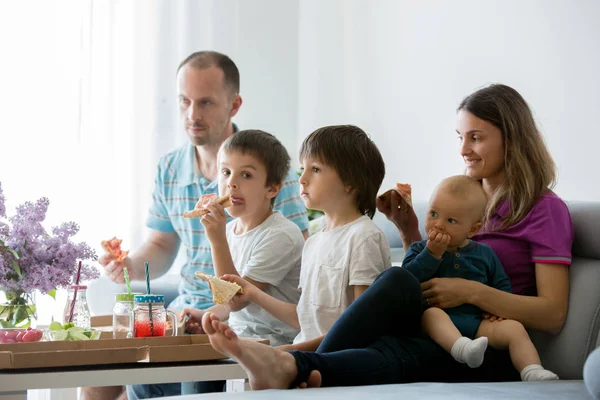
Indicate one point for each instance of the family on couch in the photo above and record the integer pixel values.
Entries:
(372, 332)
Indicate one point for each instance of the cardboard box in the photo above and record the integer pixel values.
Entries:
(67, 353)
(109, 351)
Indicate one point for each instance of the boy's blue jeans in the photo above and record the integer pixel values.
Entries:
(136, 392)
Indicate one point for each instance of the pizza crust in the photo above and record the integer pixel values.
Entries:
(223, 291)
(200, 210)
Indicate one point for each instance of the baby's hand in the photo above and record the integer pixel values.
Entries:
(437, 242)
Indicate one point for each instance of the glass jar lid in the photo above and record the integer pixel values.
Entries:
(125, 296)
(149, 298)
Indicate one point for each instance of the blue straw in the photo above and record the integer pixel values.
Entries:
(147, 279)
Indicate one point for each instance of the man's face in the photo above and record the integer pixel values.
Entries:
(205, 104)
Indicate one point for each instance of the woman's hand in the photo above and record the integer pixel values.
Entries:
(397, 210)
(492, 317)
(447, 292)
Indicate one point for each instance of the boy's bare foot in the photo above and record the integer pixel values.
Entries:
(267, 367)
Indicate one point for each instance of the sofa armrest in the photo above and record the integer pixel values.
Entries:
(566, 352)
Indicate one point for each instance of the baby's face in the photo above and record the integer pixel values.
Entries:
(451, 215)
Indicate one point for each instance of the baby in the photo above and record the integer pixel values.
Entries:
(454, 216)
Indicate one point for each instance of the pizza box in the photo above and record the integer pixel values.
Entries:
(109, 351)
(67, 353)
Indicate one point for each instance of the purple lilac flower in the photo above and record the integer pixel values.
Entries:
(2, 201)
(46, 262)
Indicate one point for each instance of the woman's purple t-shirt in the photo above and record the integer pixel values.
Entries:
(545, 235)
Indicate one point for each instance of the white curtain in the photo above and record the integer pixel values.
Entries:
(77, 99)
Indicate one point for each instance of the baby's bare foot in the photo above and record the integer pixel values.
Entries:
(267, 367)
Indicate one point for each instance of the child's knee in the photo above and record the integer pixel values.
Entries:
(513, 328)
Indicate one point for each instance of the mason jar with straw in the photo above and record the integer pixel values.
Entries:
(76, 309)
(123, 311)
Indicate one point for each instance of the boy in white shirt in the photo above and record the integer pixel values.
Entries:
(260, 244)
(342, 172)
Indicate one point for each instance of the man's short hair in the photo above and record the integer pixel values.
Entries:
(206, 59)
(264, 147)
(355, 158)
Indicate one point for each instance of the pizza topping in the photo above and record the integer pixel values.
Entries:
(113, 248)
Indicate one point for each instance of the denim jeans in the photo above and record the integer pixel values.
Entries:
(378, 340)
(138, 392)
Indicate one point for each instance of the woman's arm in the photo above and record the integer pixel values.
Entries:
(397, 210)
(545, 312)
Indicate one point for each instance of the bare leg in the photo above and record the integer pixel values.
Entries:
(267, 367)
(438, 325)
(103, 393)
(511, 335)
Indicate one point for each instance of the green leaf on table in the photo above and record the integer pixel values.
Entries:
(17, 268)
(52, 294)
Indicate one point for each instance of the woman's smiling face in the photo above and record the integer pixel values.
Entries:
(481, 146)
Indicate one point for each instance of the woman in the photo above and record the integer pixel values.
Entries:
(377, 340)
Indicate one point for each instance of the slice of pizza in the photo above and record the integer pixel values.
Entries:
(405, 191)
(200, 208)
(113, 248)
(223, 291)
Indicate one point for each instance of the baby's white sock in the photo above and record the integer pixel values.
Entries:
(536, 372)
(465, 350)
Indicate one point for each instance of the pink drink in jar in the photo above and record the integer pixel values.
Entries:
(143, 329)
(150, 316)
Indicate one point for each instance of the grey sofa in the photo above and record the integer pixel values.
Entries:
(564, 353)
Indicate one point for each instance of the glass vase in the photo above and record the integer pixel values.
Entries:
(18, 311)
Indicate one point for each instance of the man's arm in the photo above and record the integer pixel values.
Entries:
(159, 251)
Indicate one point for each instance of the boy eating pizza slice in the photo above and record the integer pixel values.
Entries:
(200, 208)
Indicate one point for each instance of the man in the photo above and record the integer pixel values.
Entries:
(208, 93)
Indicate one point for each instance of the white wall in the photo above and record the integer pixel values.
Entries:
(398, 69)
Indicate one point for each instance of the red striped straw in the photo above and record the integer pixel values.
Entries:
(75, 293)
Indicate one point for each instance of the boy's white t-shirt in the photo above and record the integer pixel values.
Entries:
(333, 262)
(270, 253)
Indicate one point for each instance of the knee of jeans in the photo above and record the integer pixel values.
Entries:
(400, 277)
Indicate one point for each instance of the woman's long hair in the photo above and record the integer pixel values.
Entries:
(529, 168)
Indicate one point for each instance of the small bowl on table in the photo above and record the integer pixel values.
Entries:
(20, 335)
(74, 334)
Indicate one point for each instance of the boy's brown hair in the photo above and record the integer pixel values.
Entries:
(264, 147)
(355, 158)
